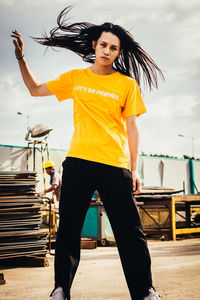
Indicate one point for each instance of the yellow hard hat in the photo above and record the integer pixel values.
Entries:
(49, 164)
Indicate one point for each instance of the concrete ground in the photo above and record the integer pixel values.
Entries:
(175, 265)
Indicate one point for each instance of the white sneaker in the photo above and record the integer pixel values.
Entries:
(153, 295)
(58, 294)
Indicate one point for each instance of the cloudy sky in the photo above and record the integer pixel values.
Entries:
(168, 30)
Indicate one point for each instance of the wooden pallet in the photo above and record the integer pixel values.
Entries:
(27, 261)
(2, 280)
(88, 244)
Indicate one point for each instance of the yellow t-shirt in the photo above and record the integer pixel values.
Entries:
(101, 105)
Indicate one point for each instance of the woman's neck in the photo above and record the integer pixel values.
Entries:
(102, 70)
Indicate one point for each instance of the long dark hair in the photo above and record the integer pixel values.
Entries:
(77, 37)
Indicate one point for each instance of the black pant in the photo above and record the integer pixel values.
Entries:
(80, 179)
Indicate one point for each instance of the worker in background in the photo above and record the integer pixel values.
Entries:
(55, 182)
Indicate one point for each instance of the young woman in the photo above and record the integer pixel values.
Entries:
(107, 102)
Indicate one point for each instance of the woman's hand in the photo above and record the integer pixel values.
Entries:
(35, 88)
(136, 182)
(18, 42)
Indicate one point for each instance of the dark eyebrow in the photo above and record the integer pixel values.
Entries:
(107, 43)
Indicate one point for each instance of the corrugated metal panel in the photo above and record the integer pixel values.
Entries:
(196, 165)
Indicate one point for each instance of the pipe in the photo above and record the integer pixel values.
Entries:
(191, 172)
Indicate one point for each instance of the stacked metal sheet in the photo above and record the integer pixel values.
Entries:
(20, 216)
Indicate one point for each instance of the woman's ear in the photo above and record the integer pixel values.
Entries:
(120, 52)
(94, 43)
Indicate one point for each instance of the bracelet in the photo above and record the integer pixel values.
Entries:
(20, 57)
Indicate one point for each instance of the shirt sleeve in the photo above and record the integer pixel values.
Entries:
(61, 86)
(55, 179)
(134, 104)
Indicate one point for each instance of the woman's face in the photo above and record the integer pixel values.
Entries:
(107, 48)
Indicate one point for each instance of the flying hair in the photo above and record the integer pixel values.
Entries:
(77, 37)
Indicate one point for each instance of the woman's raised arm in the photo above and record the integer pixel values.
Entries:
(35, 88)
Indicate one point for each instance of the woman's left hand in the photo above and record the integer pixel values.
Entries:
(136, 182)
(18, 43)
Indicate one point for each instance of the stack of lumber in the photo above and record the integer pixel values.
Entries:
(156, 193)
(20, 216)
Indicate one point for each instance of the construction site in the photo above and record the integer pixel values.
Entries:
(169, 206)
